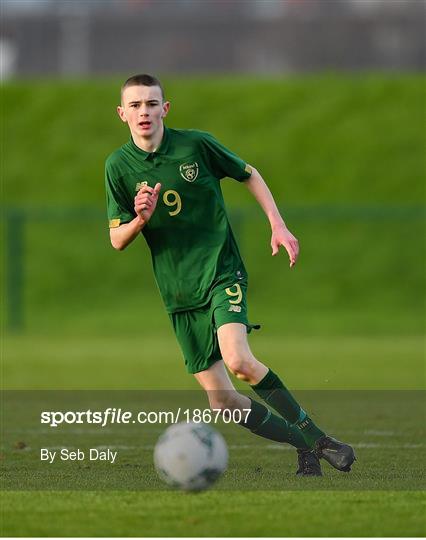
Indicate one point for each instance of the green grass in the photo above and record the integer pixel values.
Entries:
(243, 514)
(344, 158)
(352, 377)
(155, 362)
(330, 138)
(368, 271)
(389, 443)
(346, 150)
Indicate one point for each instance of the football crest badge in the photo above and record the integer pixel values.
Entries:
(189, 171)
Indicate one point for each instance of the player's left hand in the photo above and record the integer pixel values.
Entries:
(281, 236)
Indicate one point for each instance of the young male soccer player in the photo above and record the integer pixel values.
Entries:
(164, 183)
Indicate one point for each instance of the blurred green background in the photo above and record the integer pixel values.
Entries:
(344, 158)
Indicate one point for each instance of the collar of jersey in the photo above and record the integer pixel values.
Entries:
(162, 149)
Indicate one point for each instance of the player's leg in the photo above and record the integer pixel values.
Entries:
(197, 338)
(223, 395)
(230, 319)
(240, 360)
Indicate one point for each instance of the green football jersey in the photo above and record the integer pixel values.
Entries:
(192, 245)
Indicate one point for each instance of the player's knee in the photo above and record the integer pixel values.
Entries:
(241, 365)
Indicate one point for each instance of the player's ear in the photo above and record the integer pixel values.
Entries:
(166, 108)
(120, 112)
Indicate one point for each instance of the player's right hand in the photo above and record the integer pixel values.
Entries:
(146, 201)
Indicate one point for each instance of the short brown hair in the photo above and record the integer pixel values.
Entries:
(142, 79)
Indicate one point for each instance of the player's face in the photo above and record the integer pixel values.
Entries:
(143, 109)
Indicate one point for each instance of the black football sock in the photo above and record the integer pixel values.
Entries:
(272, 390)
(262, 422)
(310, 431)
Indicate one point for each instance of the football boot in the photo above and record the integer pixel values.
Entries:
(338, 454)
(309, 464)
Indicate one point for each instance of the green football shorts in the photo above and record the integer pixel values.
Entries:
(196, 329)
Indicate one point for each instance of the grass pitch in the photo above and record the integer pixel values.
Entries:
(259, 494)
(258, 513)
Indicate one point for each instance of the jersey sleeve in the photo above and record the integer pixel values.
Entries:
(117, 207)
(222, 161)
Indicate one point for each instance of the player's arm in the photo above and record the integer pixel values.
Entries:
(124, 235)
(145, 204)
(281, 236)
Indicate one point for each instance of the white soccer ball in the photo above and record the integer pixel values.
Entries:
(190, 456)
